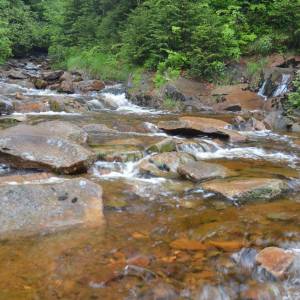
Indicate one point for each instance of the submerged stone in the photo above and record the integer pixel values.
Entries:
(201, 171)
(227, 246)
(185, 244)
(247, 189)
(166, 145)
(275, 260)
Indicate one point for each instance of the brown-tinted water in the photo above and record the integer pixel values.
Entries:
(162, 238)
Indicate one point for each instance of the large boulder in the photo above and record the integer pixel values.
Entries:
(247, 189)
(165, 164)
(200, 171)
(30, 206)
(41, 147)
(66, 87)
(193, 126)
(40, 84)
(90, 85)
(236, 97)
(52, 75)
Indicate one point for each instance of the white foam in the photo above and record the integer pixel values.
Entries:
(262, 91)
(249, 153)
(47, 113)
(50, 180)
(128, 170)
(283, 86)
(47, 92)
(122, 104)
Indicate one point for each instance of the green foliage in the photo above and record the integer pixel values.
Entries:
(294, 97)
(254, 68)
(97, 64)
(5, 43)
(166, 36)
(170, 68)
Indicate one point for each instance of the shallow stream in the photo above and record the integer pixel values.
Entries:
(131, 256)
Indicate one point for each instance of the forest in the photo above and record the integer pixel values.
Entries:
(199, 37)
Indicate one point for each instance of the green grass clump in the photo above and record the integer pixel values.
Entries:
(98, 65)
(171, 104)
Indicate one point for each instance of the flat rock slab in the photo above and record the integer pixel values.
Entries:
(192, 126)
(275, 260)
(44, 147)
(200, 171)
(50, 204)
(247, 189)
(64, 129)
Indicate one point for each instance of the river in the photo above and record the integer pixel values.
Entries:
(132, 255)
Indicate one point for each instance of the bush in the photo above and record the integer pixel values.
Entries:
(169, 69)
(5, 43)
(294, 97)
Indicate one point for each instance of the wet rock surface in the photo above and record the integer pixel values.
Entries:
(247, 189)
(192, 126)
(42, 147)
(202, 171)
(275, 260)
(51, 204)
(165, 164)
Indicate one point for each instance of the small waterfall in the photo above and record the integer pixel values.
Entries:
(261, 91)
(116, 98)
(194, 148)
(281, 89)
(283, 86)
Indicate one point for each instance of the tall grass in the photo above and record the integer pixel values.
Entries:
(97, 64)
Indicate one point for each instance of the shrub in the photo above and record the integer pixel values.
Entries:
(294, 97)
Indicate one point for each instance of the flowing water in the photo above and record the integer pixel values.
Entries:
(130, 257)
(280, 90)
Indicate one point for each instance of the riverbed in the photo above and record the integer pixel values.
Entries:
(133, 255)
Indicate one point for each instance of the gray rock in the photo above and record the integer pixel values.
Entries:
(15, 74)
(165, 164)
(63, 129)
(52, 75)
(6, 107)
(201, 171)
(277, 121)
(48, 205)
(247, 189)
(27, 146)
